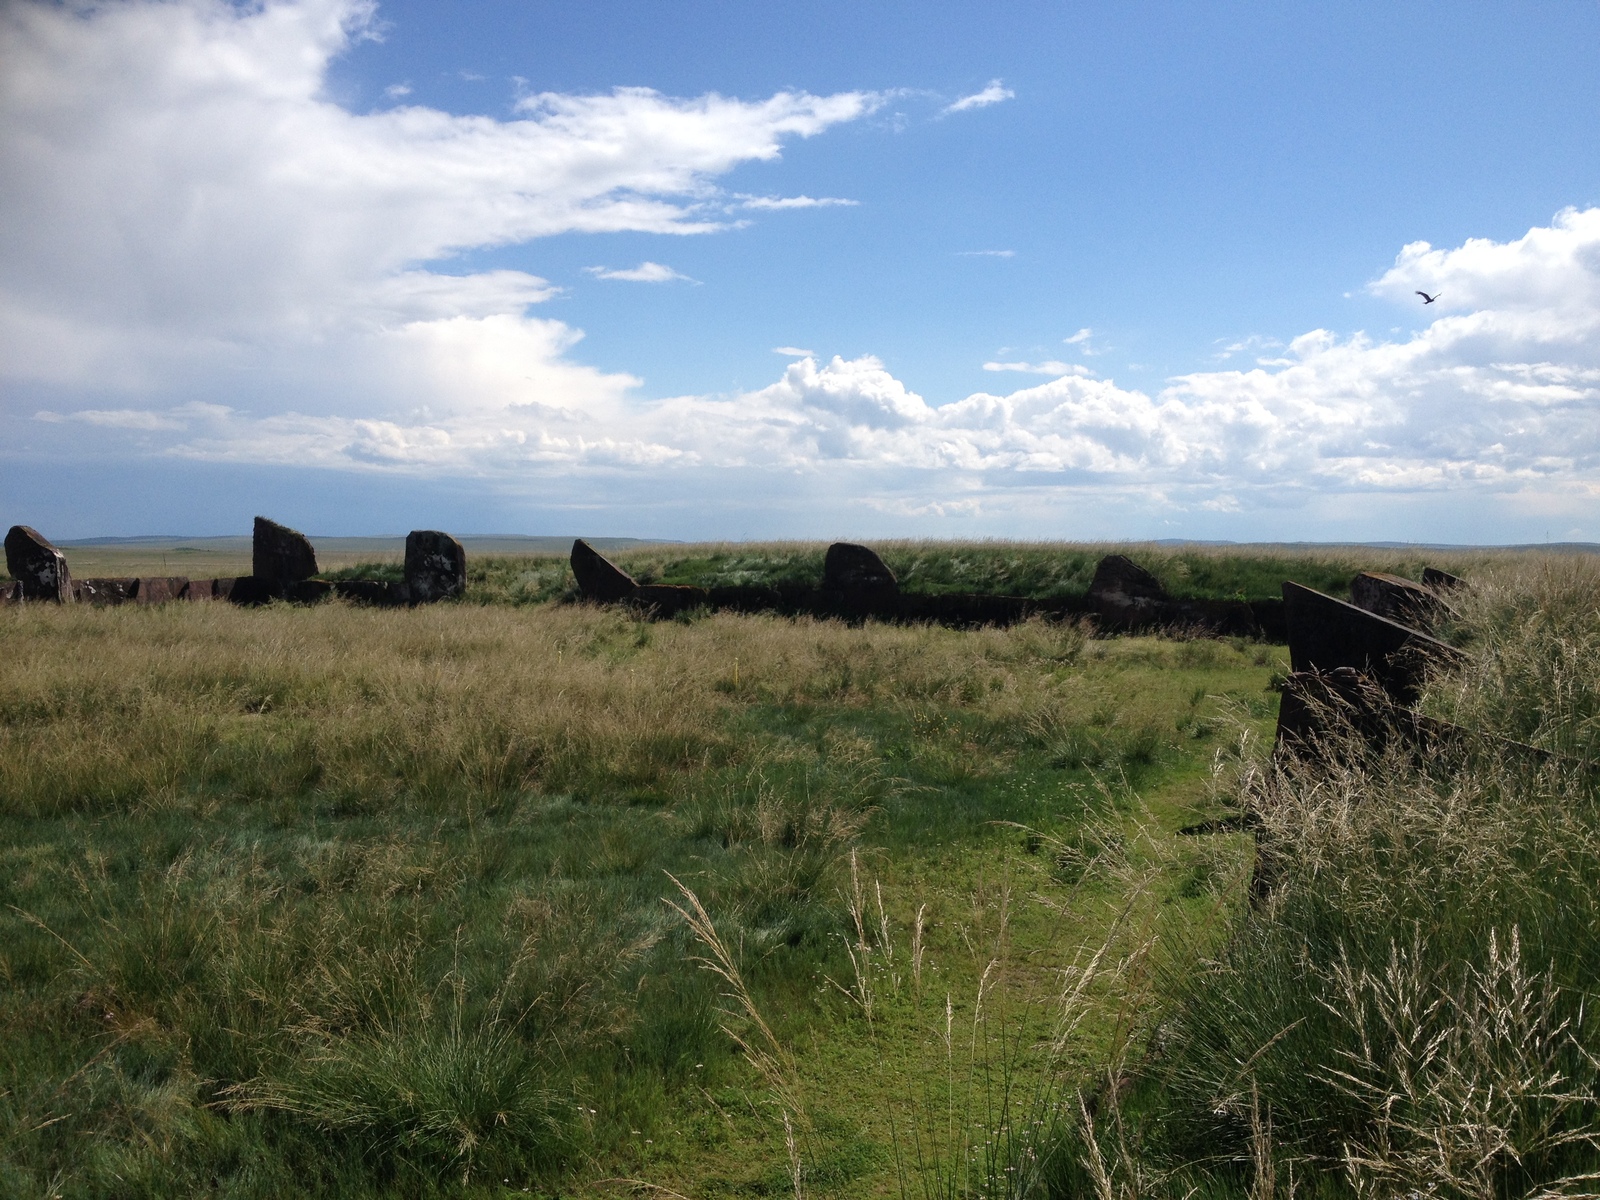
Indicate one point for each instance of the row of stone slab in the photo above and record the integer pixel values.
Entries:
(856, 584)
(1358, 670)
(283, 567)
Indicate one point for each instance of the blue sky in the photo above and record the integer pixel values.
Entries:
(713, 270)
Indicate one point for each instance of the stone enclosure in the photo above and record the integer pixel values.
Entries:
(283, 566)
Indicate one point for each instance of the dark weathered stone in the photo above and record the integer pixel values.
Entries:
(200, 589)
(436, 566)
(859, 573)
(157, 589)
(1125, 595)
(598, 577)
(1325, 634)
(666, 600)
(37, 566)
(251, 590)
(1118, 575)
(1395, 597)
(281, 553)
(308, 591)
(10, 591)
(104, 591)
(222, 589)
(1326, 714)
(1441, 581)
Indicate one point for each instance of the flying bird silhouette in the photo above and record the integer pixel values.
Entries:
(1427, 299)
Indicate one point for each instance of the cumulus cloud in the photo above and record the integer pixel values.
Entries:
(1506, 397)
(181, 204)
(993, 94)
(206, 258)
(645, 272)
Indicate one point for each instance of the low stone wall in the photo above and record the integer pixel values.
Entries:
(858, 585)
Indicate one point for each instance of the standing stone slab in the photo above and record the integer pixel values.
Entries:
(281, 553)
(37, 566)
(1325, 634)
(436, 566)
(199, 589)
(1124, 594)
(863, 578)
(1395, 597)
(598, 577)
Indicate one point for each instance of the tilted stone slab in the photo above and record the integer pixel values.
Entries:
(1397, 598)
(436, 566)
(1441, 581)
(281, 553)
(599, 578)
(37, 566)
(1325, 634)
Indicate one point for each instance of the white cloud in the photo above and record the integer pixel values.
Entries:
(396, 91)
(792, 352)
(204, 252)
(986, 253)
(993, 94)
(781, 202)
(182, 207)
(645, 272)
(1504, 399)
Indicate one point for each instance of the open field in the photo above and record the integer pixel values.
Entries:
(348, 902)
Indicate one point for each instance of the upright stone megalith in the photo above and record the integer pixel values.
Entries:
(38, 567)
(859, 573)
(281, 554)
(436, 566)
(598, 577)
(1124, 593)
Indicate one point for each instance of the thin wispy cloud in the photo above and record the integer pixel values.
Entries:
(780, 202)
(1049, 366)
(986, 253)
(645, 272)
(396, 91)
(993, 94)
(793, 352)
(1083, 335)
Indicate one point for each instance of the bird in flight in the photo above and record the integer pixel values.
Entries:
(1427, 299)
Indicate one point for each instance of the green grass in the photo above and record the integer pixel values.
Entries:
(348, 902)
(345, 902)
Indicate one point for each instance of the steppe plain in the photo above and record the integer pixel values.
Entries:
(518, 895)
